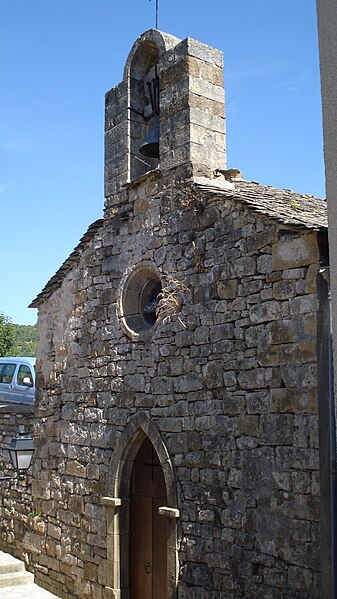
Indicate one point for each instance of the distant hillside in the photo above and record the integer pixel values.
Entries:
(25, 340)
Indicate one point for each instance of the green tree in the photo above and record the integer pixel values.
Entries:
(25, 340)
(7, 336)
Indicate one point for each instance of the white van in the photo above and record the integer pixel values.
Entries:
(17, 380)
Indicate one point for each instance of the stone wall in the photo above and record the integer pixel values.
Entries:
(229, 384)
(18, 517)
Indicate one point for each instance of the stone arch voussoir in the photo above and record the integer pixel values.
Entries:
(128, 444)
(163, 42)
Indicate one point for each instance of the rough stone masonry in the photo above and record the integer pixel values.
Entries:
(187, 316)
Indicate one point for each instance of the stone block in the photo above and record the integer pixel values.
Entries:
(172, 425)
(300, 482)
(298, 458)
(270, 310)
(311, 279)
(275, 578)
(276, 429)
(212, 374)
(206, 105)
(215, 425)
(34, 543)
(207, 120)
(249, 287)
(187, 383)
(211, 140)
(310, 324)
(303, 304)
(299, 376)
(41, 489)
(253, 335)
(230, 380)
(77, 469)
(264, 266)
(209, 72)
(283, 290)
(261, 239)
(75, 434)
(260, 378)
(90, 571)
(300, 579)
(201, 335)
(221, 332)
(171, 75)
(227, 289)
(282, 331)
(54, 531)
(292, 251)
(161, 385)
(205, 89)
(208, 155)
(76, 504)
(294, 400)
(244, 266)
(190, 47)
(248, 425)
(258, 402)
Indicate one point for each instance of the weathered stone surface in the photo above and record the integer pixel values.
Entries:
(212, 374)
(303, 305)
(292, 251)
(294, 400)
(227, 289)
(187, 383)
(244, 266)
(260, 378)
(265, 312)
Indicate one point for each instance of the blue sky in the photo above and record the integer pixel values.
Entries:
(59, 57)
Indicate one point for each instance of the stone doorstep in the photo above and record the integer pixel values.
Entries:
(11, 579)
(11, 567)
(13, 572)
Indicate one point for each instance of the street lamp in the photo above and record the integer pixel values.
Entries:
(21, 449)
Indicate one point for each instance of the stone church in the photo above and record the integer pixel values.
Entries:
(182, 410)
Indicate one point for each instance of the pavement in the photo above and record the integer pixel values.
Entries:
(25, 591)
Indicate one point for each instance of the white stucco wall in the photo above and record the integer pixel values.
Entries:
(327, 31)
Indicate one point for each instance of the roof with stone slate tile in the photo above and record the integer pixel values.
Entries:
(56, 280)
(282, 205)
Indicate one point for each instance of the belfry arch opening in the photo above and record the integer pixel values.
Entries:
(143, 120)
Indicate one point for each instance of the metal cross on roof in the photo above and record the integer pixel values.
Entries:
(157, 2)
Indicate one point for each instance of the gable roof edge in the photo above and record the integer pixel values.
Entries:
(56, 280)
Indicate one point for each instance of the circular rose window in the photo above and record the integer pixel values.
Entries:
(140, 299)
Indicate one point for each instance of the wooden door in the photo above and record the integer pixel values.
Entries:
(148, 531)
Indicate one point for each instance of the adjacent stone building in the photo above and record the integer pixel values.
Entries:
(180, 367)
(327, 30)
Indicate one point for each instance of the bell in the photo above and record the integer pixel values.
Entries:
(150, 147)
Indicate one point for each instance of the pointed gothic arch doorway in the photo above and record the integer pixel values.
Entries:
(140, 435)
(148, 530)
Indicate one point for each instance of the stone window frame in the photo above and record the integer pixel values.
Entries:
(125, 311)
(117, 503)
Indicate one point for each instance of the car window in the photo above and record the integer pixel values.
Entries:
(23, 372)
(6, 372)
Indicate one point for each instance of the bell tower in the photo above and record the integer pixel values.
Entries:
(167, 113)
